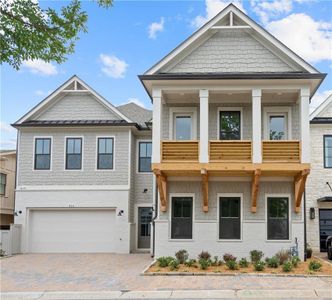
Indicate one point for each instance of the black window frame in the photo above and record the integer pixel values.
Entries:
(174, 219)
(99, 154)
(143, 157)
(325, 136)
(227, 132)
(269, 238)
(239, 217)
(67, 154)
(49, 155)
(3, 184)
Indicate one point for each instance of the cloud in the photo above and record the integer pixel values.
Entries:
(8, 144)
(40, 67)
(4, 127)
(156, 27)
(319, 98)
(42, 93)
(212, 8)
(136, 101)
(113, 66)
(312, 41)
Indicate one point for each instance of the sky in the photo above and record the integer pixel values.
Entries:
(127, 39)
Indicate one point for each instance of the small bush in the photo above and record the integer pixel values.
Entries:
(174, 264)
(190, 262)
(227, 257)
(232, 264)
(283, 256)
(287, 266)
(204, 255)
(182, 255)
(256, 255)
(259, 265)
(164, 261)
(272, 262)
(243, 263)
(315, 265)
(295, 261)
(204, 263)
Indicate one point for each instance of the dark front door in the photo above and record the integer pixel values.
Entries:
(144, 227)
(325, 227)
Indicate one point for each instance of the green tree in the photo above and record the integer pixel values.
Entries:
(28, 32)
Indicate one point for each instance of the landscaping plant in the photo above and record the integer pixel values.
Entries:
(204, 255)
(315, 265)
(182, 255)
(164, 261)
(309, 251)
(283, 256)
(232, 264)
(190, 262)
(287, 266)
(204, 263)
(174, 264)
(256, 255)
(259, 265)
(295, 261)
(227, 257)
(272, 262)
(244, 263)
(215, 261)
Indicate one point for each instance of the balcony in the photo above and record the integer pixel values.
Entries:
(230, 151)
(179, 151)
(281, 151)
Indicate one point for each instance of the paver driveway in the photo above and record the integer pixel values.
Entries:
(104, 272)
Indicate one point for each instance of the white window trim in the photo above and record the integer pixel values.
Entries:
(137, 155)
(33, 153)
(192, 111)
(137, 206)
(241, 216)
(289, 196)
(5, 195)
(277, 110)
(96, 155)
(225, 108)
(174, 195)
(65, 151)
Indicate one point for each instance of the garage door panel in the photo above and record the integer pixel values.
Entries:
(72, 230)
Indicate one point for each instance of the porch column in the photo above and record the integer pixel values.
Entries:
(204, 126)
(256, 126)
(304, 125)
(156, 126)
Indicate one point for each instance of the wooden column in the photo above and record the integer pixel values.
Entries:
(254, 190)
(299, 185)
(205, 189)
(161, 183)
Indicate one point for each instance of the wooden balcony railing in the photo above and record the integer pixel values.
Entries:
(230, 151)
(179, 151)
(281, 151)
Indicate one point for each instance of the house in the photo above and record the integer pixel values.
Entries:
(7, 187)
(231, 140)
(84, 181)
(319, 186)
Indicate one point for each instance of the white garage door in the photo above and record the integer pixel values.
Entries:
(72, 230)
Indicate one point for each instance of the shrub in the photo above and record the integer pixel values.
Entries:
(190, 262)
(243, 263)
(259, 265)
(256, 255)
(204, 263)
(309, 251)
(272, 262)
(227, 257)
(204, 255)
(182, 255)
(232, 264)
(287, 266)
(315, 265)
(164, 261)
(283, 256)
(295, 261)
(174, 264)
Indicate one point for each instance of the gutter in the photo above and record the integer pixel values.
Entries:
(153, 220)
(305, 224)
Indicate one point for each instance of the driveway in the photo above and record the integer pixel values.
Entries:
(114, 272)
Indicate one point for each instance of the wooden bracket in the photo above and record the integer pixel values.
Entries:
(299, 185)
(254, 189)
(205, 189)
(161, 183)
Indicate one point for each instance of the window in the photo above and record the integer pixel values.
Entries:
(3, 182)
(327, 151)
(277, 127)
(144, 161)
(230, 125)
(74, 153)
(183, 127)
(277, 218)
(42, 154)
(105, 153)
(182, 211)
(230, 218)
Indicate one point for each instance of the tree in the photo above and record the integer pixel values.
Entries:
(27, 32)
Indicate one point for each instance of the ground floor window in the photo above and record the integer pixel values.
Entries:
(277, 218)
(182, 218)
(230, 218)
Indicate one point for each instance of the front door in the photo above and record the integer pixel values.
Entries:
(325, 227)
(144, 227)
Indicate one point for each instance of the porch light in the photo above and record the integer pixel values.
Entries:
(312, 213)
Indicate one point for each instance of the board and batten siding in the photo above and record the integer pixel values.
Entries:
(58, 175)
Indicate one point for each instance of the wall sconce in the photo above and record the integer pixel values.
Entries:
(312, 213)
(120, 213)
(145, 191)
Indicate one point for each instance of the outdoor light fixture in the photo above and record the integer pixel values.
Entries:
(312, 213)
(145, 191)
(120, 213)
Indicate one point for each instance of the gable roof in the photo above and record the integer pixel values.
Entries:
(76, 85)
(138, 114)
(314, 119)
(245, 23)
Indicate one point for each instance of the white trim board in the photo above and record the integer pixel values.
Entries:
(192, 111)
(271, 110)
(321, 107)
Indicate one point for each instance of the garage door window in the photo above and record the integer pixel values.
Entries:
(105, 153)
(42, 154)
(74, 154)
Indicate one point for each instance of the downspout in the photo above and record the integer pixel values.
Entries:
(305, 225)
(156, 209)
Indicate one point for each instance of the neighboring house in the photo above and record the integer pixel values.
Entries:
(231, 140)
(319, 186)
(84, 181)
(7, 187)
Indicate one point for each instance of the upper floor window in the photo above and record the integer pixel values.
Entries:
(230, 125)
(327, 151)
(277, 127)
(145, 152)
(183, 127)
(3, 183)
(42, 154)
(73, 153)
(277, 218)
(105, 153)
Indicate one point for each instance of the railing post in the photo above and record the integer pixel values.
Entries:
(156, 126)
(204, 126)
(304, 125)
(256, 126)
